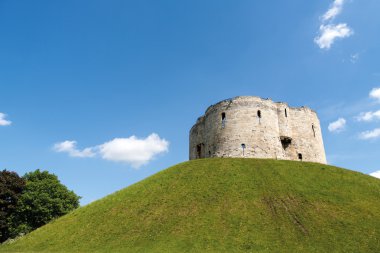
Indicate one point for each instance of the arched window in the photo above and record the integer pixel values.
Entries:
(300, 156)
(286, 113)
(223, 119)
(259, 114)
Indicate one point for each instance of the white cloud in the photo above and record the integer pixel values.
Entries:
(375, 174)
(368, 135)
(3, 121)
(337, 126)
(335, 10)
(375, 93)
(329, 33)
(131, 150)
(369, 116)
(70, 148)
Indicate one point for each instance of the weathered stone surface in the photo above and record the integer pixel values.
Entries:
(267, 129)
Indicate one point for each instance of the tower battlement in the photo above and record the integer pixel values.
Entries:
(253, 127)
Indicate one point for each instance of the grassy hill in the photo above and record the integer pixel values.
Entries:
(225, 205)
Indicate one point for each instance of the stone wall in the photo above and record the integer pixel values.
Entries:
(260, 128)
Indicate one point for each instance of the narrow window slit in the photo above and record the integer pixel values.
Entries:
(243, 147)
(259, 115)
(223, 119)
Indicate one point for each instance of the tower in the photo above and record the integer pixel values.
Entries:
(253, 127)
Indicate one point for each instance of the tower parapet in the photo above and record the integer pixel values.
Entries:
(253, 127)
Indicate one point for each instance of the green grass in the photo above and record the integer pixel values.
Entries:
(225, 205)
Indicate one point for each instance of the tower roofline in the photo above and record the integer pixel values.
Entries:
(230, 100)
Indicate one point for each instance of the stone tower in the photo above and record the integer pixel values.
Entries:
(253, 127)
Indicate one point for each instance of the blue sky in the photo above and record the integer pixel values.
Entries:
(105, 76)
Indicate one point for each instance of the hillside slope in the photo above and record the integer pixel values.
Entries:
(225, 205)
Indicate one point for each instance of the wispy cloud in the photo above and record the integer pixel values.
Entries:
(375, 174)
(335, 10)
(329, 32)
(375, 94)
(354, 58)
(369, 116)
(337, 126)
(3, 120)
(132, 150)
(370, 135)
(70, 147)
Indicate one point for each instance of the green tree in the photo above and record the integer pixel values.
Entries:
(11, 187)
(44, 198)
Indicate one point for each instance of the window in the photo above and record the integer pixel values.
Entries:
(223, 119)
(313, 128)
(285, 142)
(259, 116)
(243, 147)
(286, 113)
(199, 151)
(300, 156)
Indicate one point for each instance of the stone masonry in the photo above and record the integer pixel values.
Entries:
(253, 127)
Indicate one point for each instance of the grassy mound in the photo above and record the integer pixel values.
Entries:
(225, 205)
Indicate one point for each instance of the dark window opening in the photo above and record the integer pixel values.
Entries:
(300, 156)
(199, 150)
(259, 114)
(223, 119)
(312, 127)
(286, 113)
(285, 142)
(243, 147)
(209, 153)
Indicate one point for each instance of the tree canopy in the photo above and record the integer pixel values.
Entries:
(44, 199)
(11, 187)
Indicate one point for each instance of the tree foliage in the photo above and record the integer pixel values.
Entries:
(44, 199)
(11, 187)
